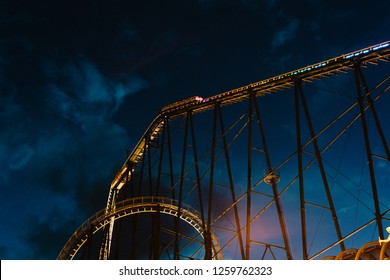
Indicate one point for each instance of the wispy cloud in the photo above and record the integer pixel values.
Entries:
(67, 149)
(20, 157)
(285, 34)
(88, 93)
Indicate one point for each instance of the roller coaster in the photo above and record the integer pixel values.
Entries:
(200, 183)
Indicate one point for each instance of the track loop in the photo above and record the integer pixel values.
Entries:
(137, 205)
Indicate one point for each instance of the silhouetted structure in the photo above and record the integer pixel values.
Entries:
(293, 166)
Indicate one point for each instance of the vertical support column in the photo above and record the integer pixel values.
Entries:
(249, 181)
(133, 250)
(149, 167)
(300, 172)
(153, 215)
(106, 240)
(183, 162)
(322, 169)
(198, 181)
(141, 175)
(207, 239)
(155, 248)
(274, 183)
(158, 183)
(378, 216)
(133, 246)
(172, 179)
(105, 247)
(232, 192)
(170, 159)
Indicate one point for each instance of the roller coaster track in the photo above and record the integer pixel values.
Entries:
(334, 66)
(115, 210)
(369, 251)
(134, 206)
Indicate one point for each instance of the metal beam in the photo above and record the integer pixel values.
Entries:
(274, 184)
(321, 167)
(300, 172)
(208, 243)
(378, 216)
(373, 110)
(249, 181)
(231, 184)
(183, 162)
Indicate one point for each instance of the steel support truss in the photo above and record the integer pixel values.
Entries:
(197, 152)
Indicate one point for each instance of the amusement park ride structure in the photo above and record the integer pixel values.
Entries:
(167, 202)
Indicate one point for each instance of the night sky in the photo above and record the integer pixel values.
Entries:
(80, 81)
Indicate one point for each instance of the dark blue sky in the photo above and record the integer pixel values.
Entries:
(81, 80)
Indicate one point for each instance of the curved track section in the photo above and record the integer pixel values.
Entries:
(134, 206)
(199, 152)
(369, 251)
(133, 160)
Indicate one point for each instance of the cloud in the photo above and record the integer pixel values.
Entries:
(59, 153)
(285, 34)
(20, 157)
(83, 139)
(15, 152)
(80, 89)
